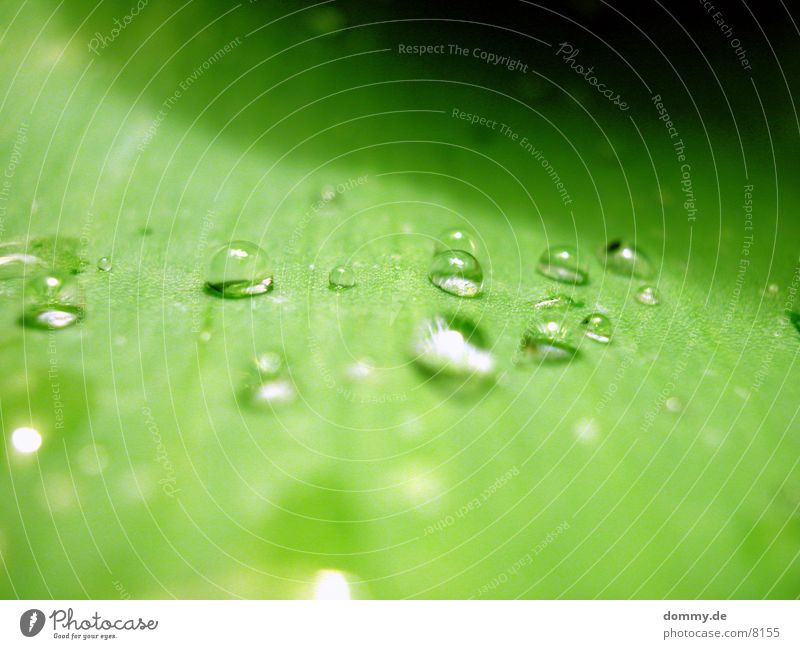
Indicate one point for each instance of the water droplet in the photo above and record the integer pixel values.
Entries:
(361, 369)
(26, 440)
(773, 289)
(561, 263)
(623, 258)
(264, 385)
(674, 404)
(456, 272)
(597, 327)
(327, 193)
(586, 430)
(456, 239)
(341, 277)
(104, 264)
(239, 269)
(268, 363)
(53, 301)
(452, 346)
(557, 301)
(648, 295)
(547, 339)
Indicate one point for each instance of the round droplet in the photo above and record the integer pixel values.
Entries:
(456, 272)
(539, 348)
(557, 301)
(597, 327)
(331, 584)
(239, 269)
(268, 363)
(623, 258)
(52, 301)
(265, 385)
(456, 239)
(26, 440)
(561, 264)
(648, 295)
(104, 264)
(453, 346)
(341, 277)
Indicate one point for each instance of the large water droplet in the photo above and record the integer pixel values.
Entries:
(557, 301)
(453, 346)
(104, 264)
(457, 272)
(341, 277)
(456, 239)
(623, 258)
(239, 269)
(540, 348)
(648, 295)
(53, 301)
(597, 327)
(561, 263)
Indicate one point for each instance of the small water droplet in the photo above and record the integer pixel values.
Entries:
(328, 193)
(456, 239)
(597, 327)
(623, 258)
(265, 385)
(561, 263)
(456, 272)
(557, 301)
(341, 277)
(586, 430)
(239, 269)
(674, 404)
(361, 369)
(26, 439)
(648, 295)
(773, 289)
(104, 264)
(453, 346)
(53, 301)
(268, 363)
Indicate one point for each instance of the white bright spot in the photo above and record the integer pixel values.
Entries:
(331, 584)
(26, 440)
(586, 430)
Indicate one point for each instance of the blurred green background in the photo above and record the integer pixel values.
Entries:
(663, 465)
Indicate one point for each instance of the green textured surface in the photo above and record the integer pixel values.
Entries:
(365, 475)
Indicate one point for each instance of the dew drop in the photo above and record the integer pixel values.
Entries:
(456, 272)
(456, 239)
(597, 327)
(538, 348)
(623, 258)
(557, 301)
(561, 264)
(648, 295)
(104, 264)
(265, 384)
(53, 301)
(341, 277)
(239, 269)
(453, 346)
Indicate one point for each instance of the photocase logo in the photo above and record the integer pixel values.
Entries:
(31, 622)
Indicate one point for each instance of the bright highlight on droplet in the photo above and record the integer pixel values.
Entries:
(26, 440)
(331, 584)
